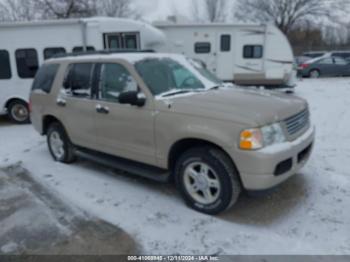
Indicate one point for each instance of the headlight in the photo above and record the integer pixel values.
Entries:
(256, 138)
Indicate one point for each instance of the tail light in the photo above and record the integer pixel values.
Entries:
(303, 66)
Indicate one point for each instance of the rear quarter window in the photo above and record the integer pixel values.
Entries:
(45, 77)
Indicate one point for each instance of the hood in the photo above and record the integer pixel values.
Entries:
(240, 105)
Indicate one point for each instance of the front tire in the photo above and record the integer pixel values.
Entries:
(61, 149)
(18, 112)
(207, 180)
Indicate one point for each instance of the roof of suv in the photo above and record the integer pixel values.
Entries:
(130, 57)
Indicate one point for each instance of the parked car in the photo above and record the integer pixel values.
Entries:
(314, 54)
(325, 66)
(342, 54)
(167, 118)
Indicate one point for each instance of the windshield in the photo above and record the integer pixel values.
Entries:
(164, 75)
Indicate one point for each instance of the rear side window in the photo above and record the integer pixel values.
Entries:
(27, 62)
(202, 48)
(253, 51)
(45, 77)
(79, 49)
(78, 80)
(225, 43)
(5, 68)
(51, 52)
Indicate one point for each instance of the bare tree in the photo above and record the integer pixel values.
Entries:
(209, 10)
(17, 10)
(287, 14)
(62, 9)
(117, 8)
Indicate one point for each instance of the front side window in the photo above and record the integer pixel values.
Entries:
(202, 48)
(45, 77)
(115, 79)
(253, 51)
(27, 62)
(340, 61)
(5, 68)
(51, 52)
(163, 75)
(78, 80)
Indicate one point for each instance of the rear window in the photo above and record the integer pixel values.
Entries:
(202, 48)
(78, 80)
(27, 62)
(51, 52)
(79, 49)
(5, 69)
(45, 77)
(253, 51)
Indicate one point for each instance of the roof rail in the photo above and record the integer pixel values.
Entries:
(102, 52)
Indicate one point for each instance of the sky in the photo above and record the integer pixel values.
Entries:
(161, 9)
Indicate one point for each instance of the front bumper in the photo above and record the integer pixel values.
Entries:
(266, 168)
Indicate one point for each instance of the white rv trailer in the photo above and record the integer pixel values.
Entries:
(243, 54)
(24, 46)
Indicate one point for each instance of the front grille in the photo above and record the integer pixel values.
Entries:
(297, 122)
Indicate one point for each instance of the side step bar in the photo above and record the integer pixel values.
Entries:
(143, 170)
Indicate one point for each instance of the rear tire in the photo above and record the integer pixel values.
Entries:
(315, 73)
(61, 149)
(207, 180)
(18, 112)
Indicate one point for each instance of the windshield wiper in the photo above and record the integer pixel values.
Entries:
(176, 92)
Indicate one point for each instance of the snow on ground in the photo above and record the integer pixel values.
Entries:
(309, 214)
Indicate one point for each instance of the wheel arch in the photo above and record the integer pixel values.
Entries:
(181, 146)
(47, 121)
(14, 99)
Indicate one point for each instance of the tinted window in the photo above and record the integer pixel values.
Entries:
(27, 62)
(340, 61)
(51, 52)
(202, 48)
(5, 68)
(78, 80)
(225, 43)
(78, 49)
(45, 77)
(115, 79)
(253, 51)
(326, 61)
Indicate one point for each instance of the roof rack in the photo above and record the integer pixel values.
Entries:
(102, 52)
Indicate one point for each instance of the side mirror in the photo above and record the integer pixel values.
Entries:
(133, 98)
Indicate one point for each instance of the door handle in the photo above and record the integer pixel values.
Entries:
(61, 102)
(102, 109)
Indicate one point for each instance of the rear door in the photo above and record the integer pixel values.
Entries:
(326, 66)
(123, 130)
(75, 105)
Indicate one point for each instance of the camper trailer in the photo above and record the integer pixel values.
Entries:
(244, 54)
(24, 46)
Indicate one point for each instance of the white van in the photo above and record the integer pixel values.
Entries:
(24, 46)
(244, 54)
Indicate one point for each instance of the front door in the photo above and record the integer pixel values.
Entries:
(123, 130)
